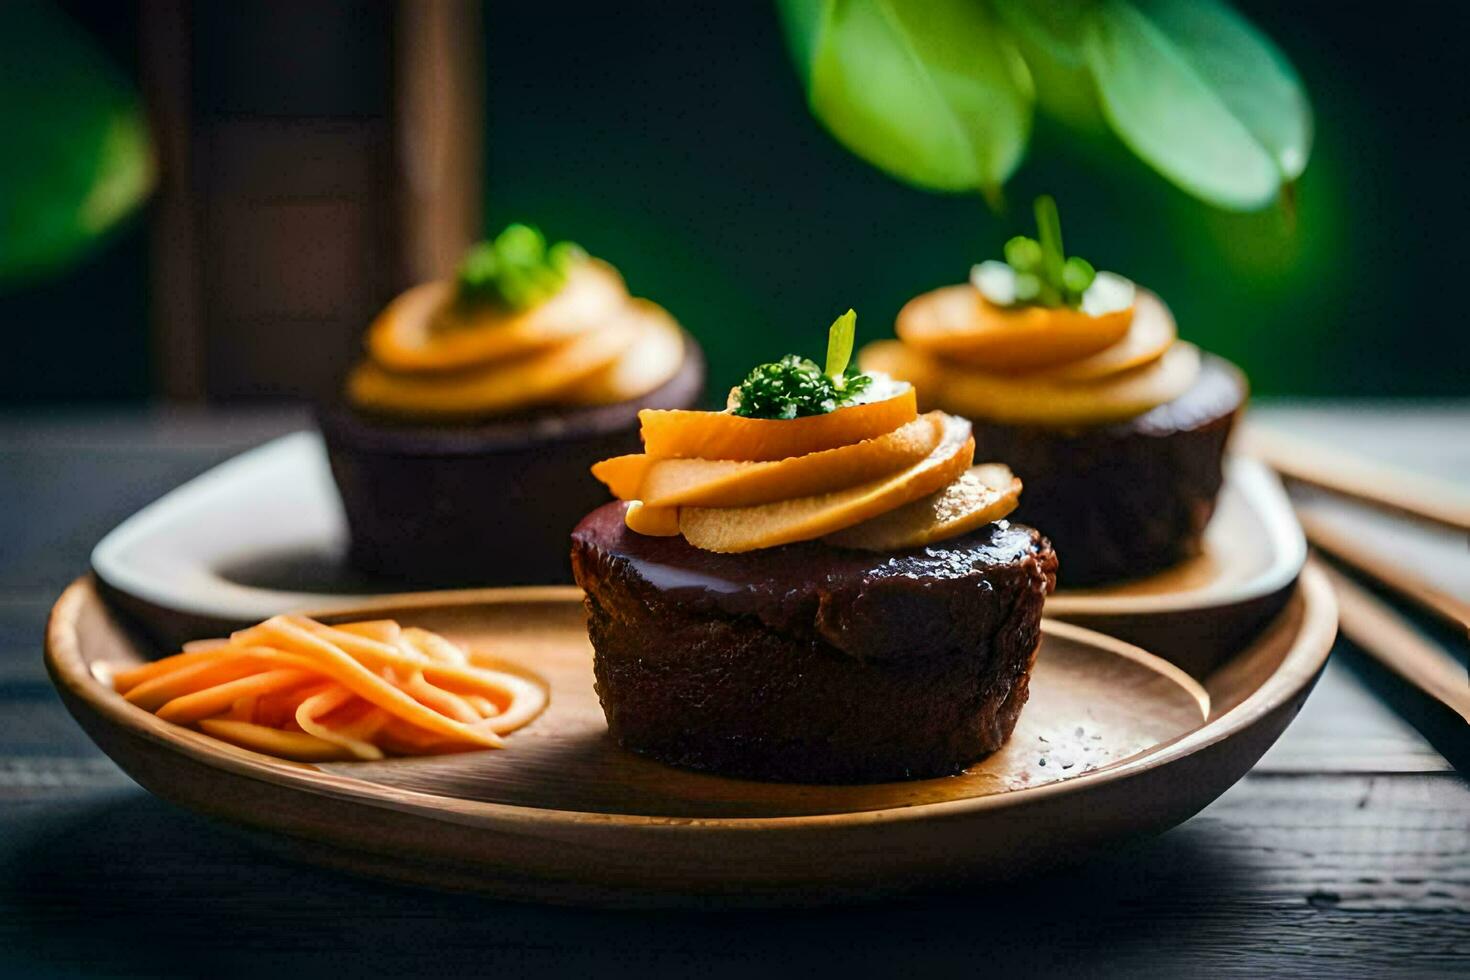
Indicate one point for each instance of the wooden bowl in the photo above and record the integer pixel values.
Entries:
(1115, 743)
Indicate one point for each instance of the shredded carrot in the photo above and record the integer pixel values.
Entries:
(155, 692)
(212, 701)
(341, 666)
(243, 709)
(483, 705)
(273, 741)
(382, 630)
(435, 646)
(125, 680)
(318, 705)
(299, 689)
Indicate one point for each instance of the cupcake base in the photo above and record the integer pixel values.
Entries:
(1123, 500)
(482, 504)
(811, 663)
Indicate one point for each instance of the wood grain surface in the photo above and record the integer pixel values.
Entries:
(1118, 744)
(1095, 703)
(1351, 474)
(1343, 854)
(1393, 641)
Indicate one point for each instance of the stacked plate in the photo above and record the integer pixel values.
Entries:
(1148, 701)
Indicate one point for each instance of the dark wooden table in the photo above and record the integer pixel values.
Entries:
(1346, 851)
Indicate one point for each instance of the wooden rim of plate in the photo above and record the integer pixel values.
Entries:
(1264, 489)
(1299, 666)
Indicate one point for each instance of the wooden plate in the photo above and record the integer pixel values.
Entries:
(1198, 612)
(1114, 743)
(264, 533)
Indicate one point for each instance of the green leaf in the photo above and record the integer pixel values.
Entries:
(77, 157)
(1202, 97)
(1251, 75)
(935, 94)
(1051, 38)
(839, 343)
(802, 22)
(1057, 27)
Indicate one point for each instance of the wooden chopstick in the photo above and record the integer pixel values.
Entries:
(1388, 638)
(1349, 550)
(1380, 484)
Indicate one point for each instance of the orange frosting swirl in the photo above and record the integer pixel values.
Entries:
(875, 475)
(1037, 365)
(589, 343)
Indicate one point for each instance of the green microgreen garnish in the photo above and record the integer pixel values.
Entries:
(840, 337)
(1040, 271)
(515, 269)
(795, 386)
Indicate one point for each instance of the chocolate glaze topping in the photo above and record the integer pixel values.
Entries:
(864, 604)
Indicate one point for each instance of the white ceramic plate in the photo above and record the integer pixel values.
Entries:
(256, 535)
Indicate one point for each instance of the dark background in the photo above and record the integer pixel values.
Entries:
(673, 140)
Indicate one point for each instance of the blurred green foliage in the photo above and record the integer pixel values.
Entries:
(675, 140)
(515, 269)
(77, 157)
(677, 143)
(934, 93)
(940, 94)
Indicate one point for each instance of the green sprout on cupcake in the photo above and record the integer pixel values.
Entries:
(515, 269)
(795, 387)
(1036, 271)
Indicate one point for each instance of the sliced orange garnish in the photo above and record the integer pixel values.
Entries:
(654, 358)
(623, 474)
(1041, 401)
(730, 483)
(658, 522)
(682, 434)
(739, 529)
(496, 388)
(959, 323)
(899, 361)
(420, 331)
(982, 494)
(1148, 337)
(737, 483)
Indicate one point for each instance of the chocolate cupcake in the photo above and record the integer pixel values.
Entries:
(462, 443)
(816, 584)
(1079, 381)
